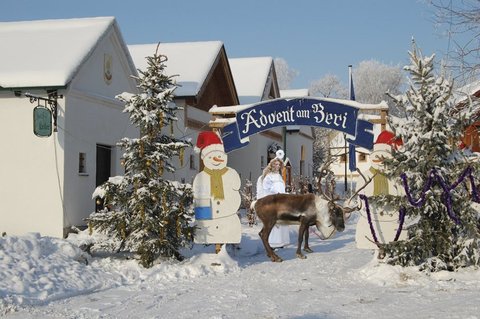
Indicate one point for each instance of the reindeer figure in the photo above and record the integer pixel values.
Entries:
(305, 210)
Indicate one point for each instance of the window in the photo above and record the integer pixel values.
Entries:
(82, 163)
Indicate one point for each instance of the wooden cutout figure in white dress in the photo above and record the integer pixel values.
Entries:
(216, 194)
(271, 182)
(385, 221)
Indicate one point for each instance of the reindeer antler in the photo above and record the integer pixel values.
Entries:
(348, 210)
(325, 171)
(364, 185)
(329, 192)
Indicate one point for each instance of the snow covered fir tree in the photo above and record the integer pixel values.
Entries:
(439, 205)
(144, 213)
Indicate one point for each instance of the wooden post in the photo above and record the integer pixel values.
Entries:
(383, 119)
(218, 247)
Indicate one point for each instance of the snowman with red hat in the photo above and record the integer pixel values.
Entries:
(216, 194)
(384, 220)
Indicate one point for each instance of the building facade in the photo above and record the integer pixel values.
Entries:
(47, 183)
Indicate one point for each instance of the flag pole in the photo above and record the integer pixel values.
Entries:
(346, 160)
(350, 83)
(351, 96)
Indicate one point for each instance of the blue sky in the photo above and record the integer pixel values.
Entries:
(315, 37)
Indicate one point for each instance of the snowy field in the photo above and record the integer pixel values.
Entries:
(49, 278)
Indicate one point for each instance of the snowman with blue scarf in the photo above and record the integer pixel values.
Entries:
(216, 194)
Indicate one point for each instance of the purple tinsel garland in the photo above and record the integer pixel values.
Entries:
(369, 218)
(426, 187)
(475, 197)
(434, 174)
(447, 198)
(401, 219)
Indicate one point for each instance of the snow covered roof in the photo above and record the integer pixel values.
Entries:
(47, 53)
(191, 61)
(251, 76)
(294, 93)
(461, 94)
(469, 89)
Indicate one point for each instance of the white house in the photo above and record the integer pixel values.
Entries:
(46, 183)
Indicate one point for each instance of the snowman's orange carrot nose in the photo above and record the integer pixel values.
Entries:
(216, 159)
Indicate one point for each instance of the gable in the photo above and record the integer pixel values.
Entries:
(219, 88)
(255, 79)
(107, 71)
(272, 91)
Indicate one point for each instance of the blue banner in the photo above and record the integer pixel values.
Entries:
(303, 111)
(352, 157)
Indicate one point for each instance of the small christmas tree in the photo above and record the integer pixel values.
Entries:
(144, 213)
(444, 234)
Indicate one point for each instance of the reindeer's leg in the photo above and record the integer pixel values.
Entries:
(306, 248)
(264, 234)
(301, 232)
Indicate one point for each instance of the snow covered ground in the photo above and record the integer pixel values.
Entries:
(43, 277)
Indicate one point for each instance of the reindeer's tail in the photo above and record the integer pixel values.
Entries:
(252, 205)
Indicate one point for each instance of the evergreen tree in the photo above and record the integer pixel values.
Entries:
(144, 213)
(442, 238)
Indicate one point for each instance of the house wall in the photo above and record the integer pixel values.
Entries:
(31, 171)
(295, 142)
(337, 149)
(247, 161)
(94, 116)
(471, 137)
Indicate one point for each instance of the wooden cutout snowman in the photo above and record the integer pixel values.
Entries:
(385, 220)
(216, 194)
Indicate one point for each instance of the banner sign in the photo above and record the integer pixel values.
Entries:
(302, 111)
